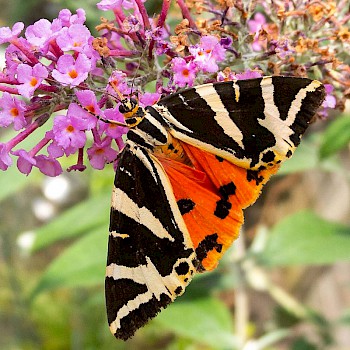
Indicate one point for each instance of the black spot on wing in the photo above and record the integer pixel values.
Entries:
(209, 243)
(227, 190)
(268, 156)
(178, 290)
(253, 175)
(183, 268)
(185, 205)
(289, 154)
(222, 209)
(219, 159)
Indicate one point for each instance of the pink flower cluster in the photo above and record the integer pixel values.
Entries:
(204, 57)
(43, 67)
(46, 72)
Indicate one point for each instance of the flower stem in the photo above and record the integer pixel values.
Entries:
(186, 13)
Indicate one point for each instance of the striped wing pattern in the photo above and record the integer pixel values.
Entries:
(157, 238)
(253, 123)
(150, 255)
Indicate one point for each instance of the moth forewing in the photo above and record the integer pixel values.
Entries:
(253, 123)
(150, 254)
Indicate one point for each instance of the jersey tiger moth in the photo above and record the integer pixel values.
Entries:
(191, 164)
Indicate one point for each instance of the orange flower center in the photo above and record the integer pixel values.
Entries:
(185, 72)
(90, 108)
(100, 151)
(73, 74)
(70, 128)
(14, 112)
(34, 81)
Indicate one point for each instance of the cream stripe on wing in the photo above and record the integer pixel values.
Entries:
(124, 204)
(222, 117)
(131, 305)
(272, 121)
(142, 274)
(298, 100)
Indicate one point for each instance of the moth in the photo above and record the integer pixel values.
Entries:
(190, 165)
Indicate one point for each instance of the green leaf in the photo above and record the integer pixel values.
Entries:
(206, 321)
(336, 136)
(75, 221)
(305, 238)
(80, 265)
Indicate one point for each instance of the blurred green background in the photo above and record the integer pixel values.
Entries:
(285, 284)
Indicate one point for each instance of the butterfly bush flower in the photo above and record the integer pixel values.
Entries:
(6, 34)
(30, 78)
(208, 53)
(184, 73)
(255, 25)
(25, 161)
(58, 70)
(40, 33)
(70, 71)
(12, 112)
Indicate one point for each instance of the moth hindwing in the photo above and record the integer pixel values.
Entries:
(191, 164)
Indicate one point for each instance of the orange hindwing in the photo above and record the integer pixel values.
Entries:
(211, 198)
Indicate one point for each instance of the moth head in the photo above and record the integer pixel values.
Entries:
(129, 107)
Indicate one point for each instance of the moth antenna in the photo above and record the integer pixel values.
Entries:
(120, 95)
